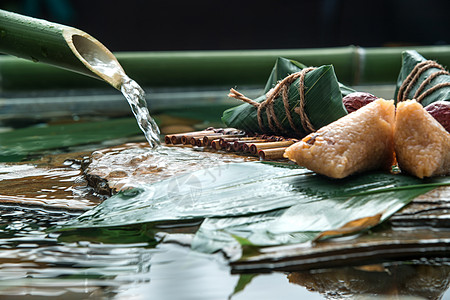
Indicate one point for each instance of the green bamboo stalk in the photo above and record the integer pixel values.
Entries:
(190, 68)
(55, 44)
(382, 65)
(353, 65)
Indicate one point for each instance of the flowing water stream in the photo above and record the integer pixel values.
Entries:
(131, 90)
(135, 96)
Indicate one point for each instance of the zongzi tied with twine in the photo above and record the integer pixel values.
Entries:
(297, 100)
(424, 80)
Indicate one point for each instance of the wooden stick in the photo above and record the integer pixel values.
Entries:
(272, 153)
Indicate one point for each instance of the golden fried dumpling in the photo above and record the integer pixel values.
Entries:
(360, 141)
(422, 144)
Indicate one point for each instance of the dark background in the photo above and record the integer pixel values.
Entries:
(132, 25)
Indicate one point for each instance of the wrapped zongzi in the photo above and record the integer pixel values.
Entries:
(424, 80)
(296, 101)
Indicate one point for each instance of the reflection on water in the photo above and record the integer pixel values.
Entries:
(34, 264)
(60, 187)
(128, 263)
(418, 281)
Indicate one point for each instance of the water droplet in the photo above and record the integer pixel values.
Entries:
(34, 59)
(2, 33)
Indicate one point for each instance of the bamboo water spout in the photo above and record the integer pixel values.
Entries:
(59, 45)
(73, 49)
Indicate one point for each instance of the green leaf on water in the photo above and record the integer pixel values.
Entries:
(255, 204)
(16, 144)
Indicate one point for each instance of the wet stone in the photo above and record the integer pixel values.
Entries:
(127, 166)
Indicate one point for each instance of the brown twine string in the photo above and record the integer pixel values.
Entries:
(411, 79)
(282, 88)
(427, 81)
(432, 90)
(306, 123)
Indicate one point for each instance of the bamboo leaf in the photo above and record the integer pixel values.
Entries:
(323, 100)
(410, 59)
(246, 205)
(20, 142)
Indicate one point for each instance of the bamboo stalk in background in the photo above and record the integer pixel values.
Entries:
(353, 65)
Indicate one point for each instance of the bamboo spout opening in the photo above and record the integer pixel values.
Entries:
(95, 56)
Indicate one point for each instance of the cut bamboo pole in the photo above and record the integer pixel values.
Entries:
(176, 138)
(216, 144)
(273, 153)
(186, 138)
(254, 148)
(199, 142)
(207, 140)
(238, 146)
(225, 141)
(59, 45)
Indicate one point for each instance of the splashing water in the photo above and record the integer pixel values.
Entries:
(135, 96)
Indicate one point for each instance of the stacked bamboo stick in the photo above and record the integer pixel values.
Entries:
(267, 147)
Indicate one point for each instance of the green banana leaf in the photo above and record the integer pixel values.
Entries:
(410, 59)
(257, 203)
(323, 100)
(16, 144)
